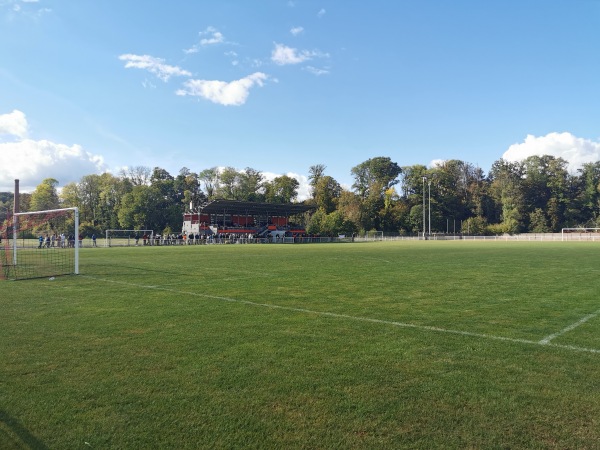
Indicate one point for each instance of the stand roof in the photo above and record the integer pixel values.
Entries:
(253, 208)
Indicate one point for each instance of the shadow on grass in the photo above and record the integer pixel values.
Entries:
(19, 433)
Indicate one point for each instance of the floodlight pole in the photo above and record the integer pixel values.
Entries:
(424, 224)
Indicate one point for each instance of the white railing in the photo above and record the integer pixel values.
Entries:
(529, 237)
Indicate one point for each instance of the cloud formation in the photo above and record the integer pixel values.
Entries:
(14, 124)
(283, 55)
(210, 36)
(31, 161)
(296, 31)
(316, 70)
(576, 151)
(224, 93)
(153, 65)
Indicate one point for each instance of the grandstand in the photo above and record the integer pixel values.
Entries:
(245, 218)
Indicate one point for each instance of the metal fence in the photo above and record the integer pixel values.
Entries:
(531, 237)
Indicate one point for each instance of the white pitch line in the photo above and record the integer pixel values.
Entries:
(583, 320)
(358, 318)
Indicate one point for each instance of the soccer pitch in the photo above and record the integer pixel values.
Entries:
(414, 344)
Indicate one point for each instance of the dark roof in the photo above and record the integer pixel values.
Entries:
(253, 208)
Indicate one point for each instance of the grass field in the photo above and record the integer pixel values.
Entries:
(367, 345)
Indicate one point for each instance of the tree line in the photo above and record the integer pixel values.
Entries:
(536, 195)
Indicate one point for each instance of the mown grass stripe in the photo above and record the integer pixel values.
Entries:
(544, 342)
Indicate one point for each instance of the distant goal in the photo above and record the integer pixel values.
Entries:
(128, 238)
(370, 236)
(580, 234)
(40, 244)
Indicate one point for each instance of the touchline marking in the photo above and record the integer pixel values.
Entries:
(583, 320)
(544, 342)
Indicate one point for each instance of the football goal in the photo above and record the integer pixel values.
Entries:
(126, 238)
(40, 244)
(580, 234)
(370, 236)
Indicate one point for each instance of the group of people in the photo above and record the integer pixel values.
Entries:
(61, 240)
(194, 239)
(56, 240)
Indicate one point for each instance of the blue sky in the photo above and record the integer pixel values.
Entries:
(92, 86)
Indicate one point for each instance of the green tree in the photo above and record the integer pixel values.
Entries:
(349, 204)
(326, 193)
(506, 190)
(538, 222)
(376, 174)
(187, 189)
(315, 173)
(45, 196)
(250, 185)
(209, 178)
(283, 189)
(138, 175)
(229, 183)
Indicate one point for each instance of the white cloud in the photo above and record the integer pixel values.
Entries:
(213, 37)
(153, 65)
(210, 36)
(26, 8)
(148, 84)
(321, 13)
(576, 151)
(31, 161)
(296, 30)
(222, 92)
(14, 124)
(234, 57)
(316, 70)
(283, 55)
(304, 190)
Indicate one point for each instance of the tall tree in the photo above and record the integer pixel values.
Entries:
(326, 193)
(45, 196)
(210, 179)
(586, 195)
(283, 189)
(377, 174)
(228, 188)
(507, 191)
(138, 175)
(187, 189)
(250, 185)
(315, 173)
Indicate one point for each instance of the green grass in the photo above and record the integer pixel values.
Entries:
(371, 345)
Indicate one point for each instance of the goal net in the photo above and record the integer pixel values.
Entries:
(126, 238)
(40, 244)
(580, 234)
(370, 236)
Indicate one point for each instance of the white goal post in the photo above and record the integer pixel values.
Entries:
(126, 238)
(591, 233)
